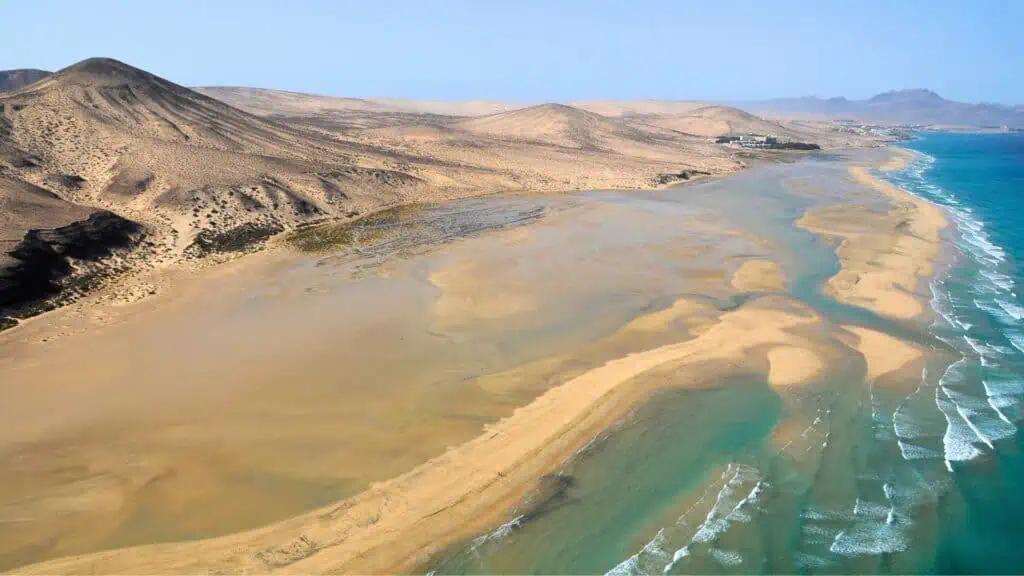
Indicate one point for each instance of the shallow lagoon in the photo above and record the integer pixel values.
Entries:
(299, 379)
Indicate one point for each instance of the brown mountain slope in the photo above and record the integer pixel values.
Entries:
(104, 135)
(110, 135)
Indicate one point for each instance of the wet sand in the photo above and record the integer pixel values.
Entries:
(551, 364)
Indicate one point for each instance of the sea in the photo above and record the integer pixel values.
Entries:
(979, 180)
(925, 475)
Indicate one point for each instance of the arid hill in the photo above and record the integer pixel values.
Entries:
(555, 124)
(713, 121)
(11, 80)
(104, 135)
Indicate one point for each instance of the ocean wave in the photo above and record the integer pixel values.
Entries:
(997, 386)
(979, 408)
(1002, 281)
(988, 424)
(653, 556)
(1011, 308)
(1016, 338)
(726, 511)
(496, 535)
(876, 530)
(633, 565)
(958, 440)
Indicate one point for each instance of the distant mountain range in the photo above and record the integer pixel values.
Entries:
(917, 106)
(11, 80)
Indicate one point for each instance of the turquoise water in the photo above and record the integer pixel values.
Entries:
(979, 179)
(922, 475)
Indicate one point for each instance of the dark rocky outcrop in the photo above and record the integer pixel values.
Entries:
(796, 146)
(681, 176)
(41, 273)
(67, 181)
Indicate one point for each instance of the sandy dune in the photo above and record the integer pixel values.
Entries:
(883, 353)
(759, 276)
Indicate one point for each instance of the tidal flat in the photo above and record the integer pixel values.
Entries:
(630, 380)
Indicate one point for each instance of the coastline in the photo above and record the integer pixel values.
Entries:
(884, 258)
(397, 524)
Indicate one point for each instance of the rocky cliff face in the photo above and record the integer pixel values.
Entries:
(51, 267)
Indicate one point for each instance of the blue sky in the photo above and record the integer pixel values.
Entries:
(551, 50)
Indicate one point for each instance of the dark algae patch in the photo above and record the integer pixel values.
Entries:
(237, 239)
(322, 237)
(408, 229)
(330, 236)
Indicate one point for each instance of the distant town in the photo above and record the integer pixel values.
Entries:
(897, 132)
(771, 141)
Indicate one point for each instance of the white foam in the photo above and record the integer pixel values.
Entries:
(1012, 308)
(876, 530)
(727, 557)
(957, 441)
(917, 452)
(1002, 281)
(497, 534)
(1016, 339)
(988, 423)
(1003, 387)
(632, 565)
(726, 509)
(988, 353)
(994, 310)
(990, 252)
